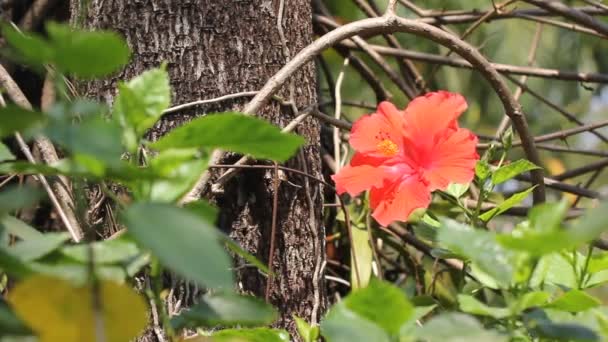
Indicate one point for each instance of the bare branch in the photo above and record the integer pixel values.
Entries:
(395, 24)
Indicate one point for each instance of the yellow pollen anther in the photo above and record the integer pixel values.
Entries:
(388, 148)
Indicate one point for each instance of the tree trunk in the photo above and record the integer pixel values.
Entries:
(215, 48)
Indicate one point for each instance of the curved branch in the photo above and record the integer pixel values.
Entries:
(392, 24)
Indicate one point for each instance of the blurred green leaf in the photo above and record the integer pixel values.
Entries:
(5, 153)
(343, 325)
(529, 300)
(457, 327)
(506, 172)
(18, 228)
(506, 204)
(591, 225)
(182, 241)
(93, 136)
(373, 313)
(362, 254)
(110, 251)
(235, 132)
(307, 332)
(382, 304)
(556, 269)
(18, 197)
(538, 322)
(457, 190)
(575, 301)
(31, 49)
(480, 247)
(251, 335)
(86, 54)
(548, 217)
(16, 119)
(38, 247)
(535, 242)
(225, 309)
(180, 171)
(471, 305)
(12, 265)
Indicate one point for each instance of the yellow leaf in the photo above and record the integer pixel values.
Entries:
(59, 311)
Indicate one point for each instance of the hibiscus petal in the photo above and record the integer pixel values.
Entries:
(397, 201)
(453, 160)
(355, 179)
(428, 115)
(371, 130)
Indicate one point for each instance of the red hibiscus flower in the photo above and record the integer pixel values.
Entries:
(402, 156)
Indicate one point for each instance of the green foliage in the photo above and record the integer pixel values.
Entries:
(251, 335)
(480, 247)
(226, 310)
(524, 280)
(235, 132)
(140, 103)
(506, 172)
(375, 313)
(181, 240)
(80, 53)
(16, 119)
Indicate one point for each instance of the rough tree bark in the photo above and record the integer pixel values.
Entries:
(214, 48)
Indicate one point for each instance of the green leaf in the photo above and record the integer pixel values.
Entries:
(374, 313)
(18, 197)
(203, 209)
(457, 190)
(528, 300)
(5, 153)
(343, 325)
(539, 323)
(591, 225)
(93, 136)
(18, 228)
(575, 301)
(87, 54)
(16, 119)
(31, 48)
(235, 132)
(10, 324)
(104, 252)
(480, 247)
(506, 172)
(363, 257)
(382, 304)
(34, 249)
(226, 309)
(180, 171)
(482, 170)
(535, 242)
(556, 269)
(182, 241)
(457, 327)
(251, 335)
(238, 250)
(141, 102)
(12, 265)
(307, 332)
(471, 305)
(506, 204)
(548, 217)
